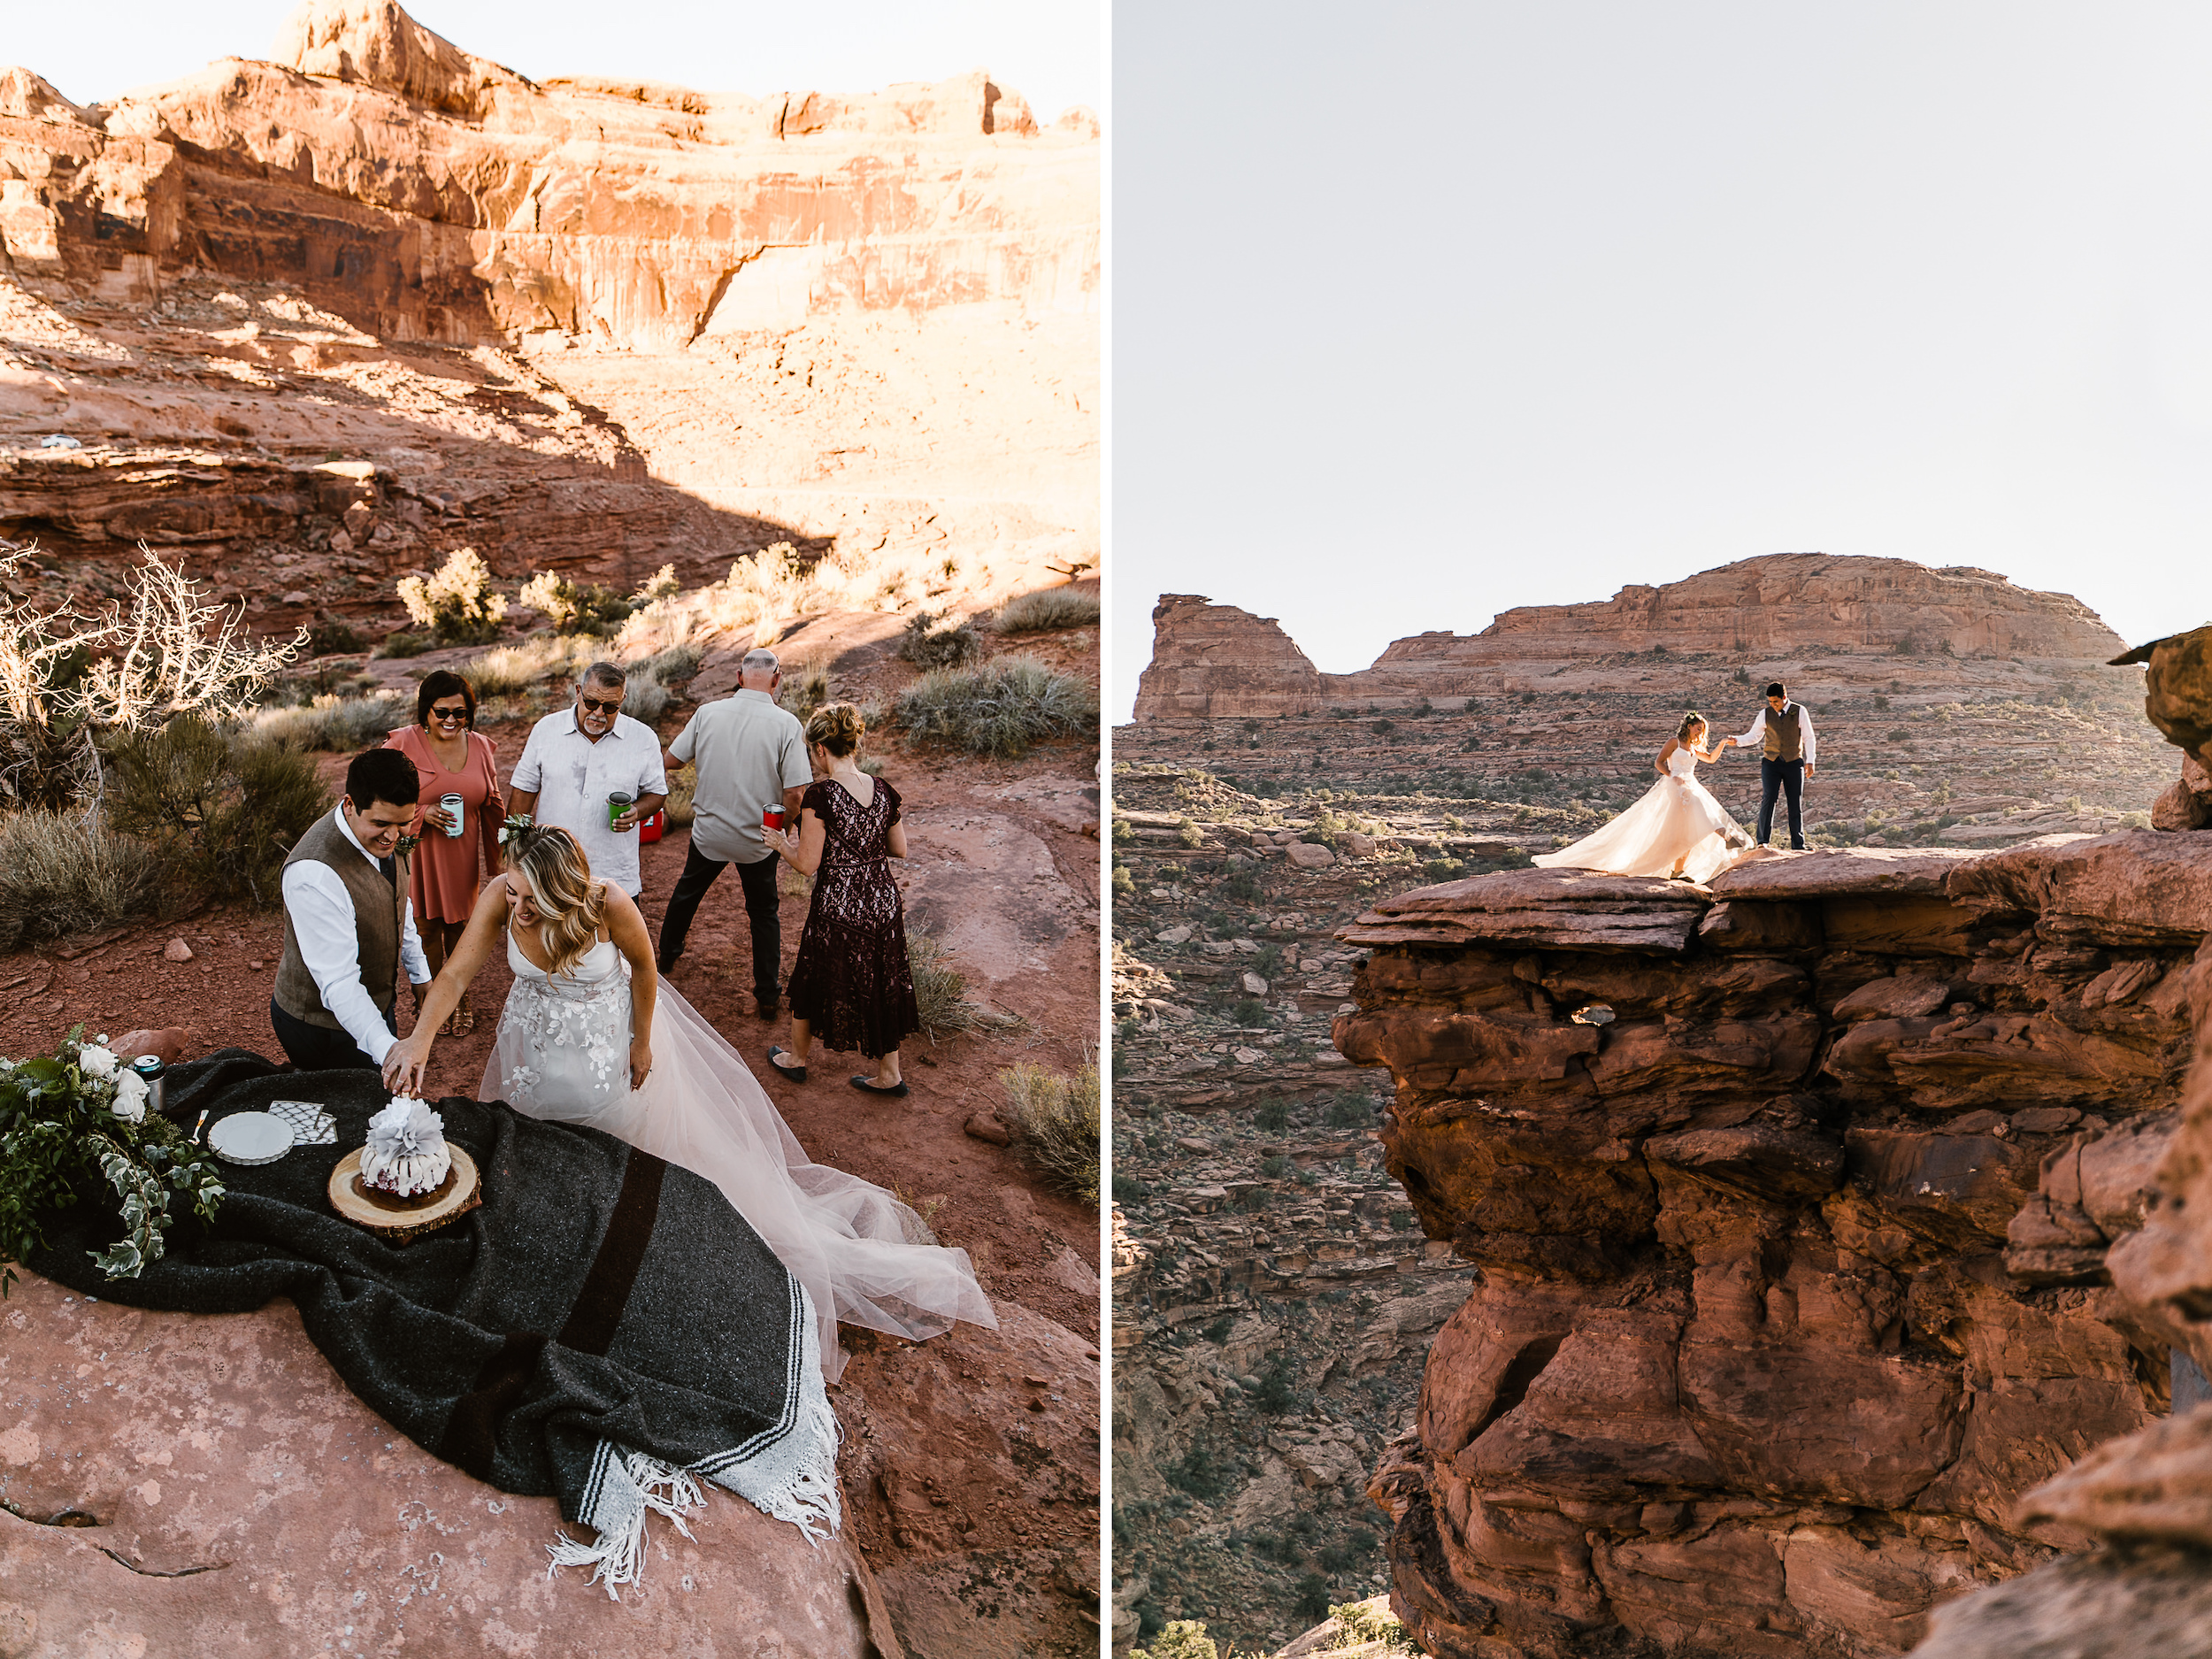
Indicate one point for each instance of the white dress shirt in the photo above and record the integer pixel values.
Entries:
(1757, 734)
(572, 776)
(323, 921)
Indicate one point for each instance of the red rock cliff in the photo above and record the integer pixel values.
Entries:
(1791, 1200)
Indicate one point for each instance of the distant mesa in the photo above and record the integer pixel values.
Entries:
(1849, 620)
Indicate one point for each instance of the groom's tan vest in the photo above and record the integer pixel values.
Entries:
(378, 919)
(1785, 734)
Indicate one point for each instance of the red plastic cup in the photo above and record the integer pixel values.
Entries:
(772, 817)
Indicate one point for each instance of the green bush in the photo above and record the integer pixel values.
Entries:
(404, 644)
(1182, 1639)
(1129, 1190)
(1056, 1120)
(1046, 611)
(575, 608)
(928, 643)
(345, 725)
(997, 710)
(1125, 885)
(1273, 1116)
(455, 602)
(1313, 1597)
(939, 989)
(1349, 1110)
(805, 688)
(334, 639)
(223, 805)
(62, 874)
(1250, 1011)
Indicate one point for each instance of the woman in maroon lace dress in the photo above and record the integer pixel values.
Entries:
(851, 986)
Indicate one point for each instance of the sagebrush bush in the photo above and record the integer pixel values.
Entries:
(806, 687)
(644, 697)
(455, 602)
(939, 989)
(997, 710)
(929, 642)
(1056, 1120)
(573, 608)
(673, 664)
(1047, 610)
(63, 873)
(345, 725)
(223, 805)
(506, 669)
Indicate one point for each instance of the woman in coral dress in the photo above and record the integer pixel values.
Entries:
(452, 757)
(1676, 829)
(852, 987)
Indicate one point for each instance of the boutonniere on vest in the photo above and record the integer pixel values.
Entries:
(407, 844)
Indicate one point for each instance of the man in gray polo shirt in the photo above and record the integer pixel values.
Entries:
(751, 755)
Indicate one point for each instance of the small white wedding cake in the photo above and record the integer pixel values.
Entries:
(406, 1154)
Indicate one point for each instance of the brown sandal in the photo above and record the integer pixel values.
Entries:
(464, 1021)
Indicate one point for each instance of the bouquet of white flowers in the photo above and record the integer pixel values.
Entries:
(68, 1119)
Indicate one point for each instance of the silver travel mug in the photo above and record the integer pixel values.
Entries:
(453, 804)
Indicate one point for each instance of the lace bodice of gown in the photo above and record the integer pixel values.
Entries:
(571, 1034)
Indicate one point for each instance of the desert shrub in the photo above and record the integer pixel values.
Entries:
(455, 602)
(223, 805)
(1250, 1011)
(1350, 1110)
(506, 669)
(1275, 1167)
(939, 989)
(1056, 1120)
(1243, 885)
(346, 725)
(334, 639)
(1181, 1639)
(996, 709)
(1188, 834)
(1129, 1190)
(1046, 611)
(1200, 1474)
(406, 643)
(806, 688)
(1359, 1622)
(575, 608)
(928, 643)
(682, 806)
(1275, 1395)
(644, 697)
(1313, 1597)
(61, 873)
(673, 664)
(1125, 885)
(1273, 1116)
(71, 676)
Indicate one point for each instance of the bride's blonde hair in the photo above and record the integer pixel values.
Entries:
(1689, 722)
(548, 861)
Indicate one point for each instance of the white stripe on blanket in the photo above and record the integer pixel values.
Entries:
(788, 1471)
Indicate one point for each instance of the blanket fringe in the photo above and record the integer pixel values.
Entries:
(634, 1484)
(805, 1495)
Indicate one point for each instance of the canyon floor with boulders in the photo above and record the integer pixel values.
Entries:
(1720, 1268)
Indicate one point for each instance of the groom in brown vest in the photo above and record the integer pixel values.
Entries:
(1786, 746)
(348, 925)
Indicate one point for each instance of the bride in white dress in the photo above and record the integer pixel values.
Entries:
(1676, 829)
(592, 1035)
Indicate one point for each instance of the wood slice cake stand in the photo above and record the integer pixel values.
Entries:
(399, 1220)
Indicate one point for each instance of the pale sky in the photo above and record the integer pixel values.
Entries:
(1422, 313)
(1050, 51)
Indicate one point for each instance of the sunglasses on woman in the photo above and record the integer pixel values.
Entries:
(450, 716)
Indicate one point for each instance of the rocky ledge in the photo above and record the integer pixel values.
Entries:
(1790, 1201)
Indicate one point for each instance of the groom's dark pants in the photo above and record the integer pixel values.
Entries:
(1783, 777)
(315, 1047)
(759, 881)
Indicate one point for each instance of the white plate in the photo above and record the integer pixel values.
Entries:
(251, 1138)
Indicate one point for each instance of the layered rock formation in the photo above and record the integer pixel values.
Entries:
(424, 193)
(1789, 1200)
(586, 326)
(1826, 621)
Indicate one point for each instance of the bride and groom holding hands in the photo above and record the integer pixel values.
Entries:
(1677, 828)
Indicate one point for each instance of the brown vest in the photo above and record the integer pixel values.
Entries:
(378, 919)
(1784, 734)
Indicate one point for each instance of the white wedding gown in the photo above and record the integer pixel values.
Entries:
(562, 1054)
(1677, 822)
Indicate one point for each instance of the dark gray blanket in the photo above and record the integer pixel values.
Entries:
(603, 1322)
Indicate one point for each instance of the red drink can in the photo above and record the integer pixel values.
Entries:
(772, 817)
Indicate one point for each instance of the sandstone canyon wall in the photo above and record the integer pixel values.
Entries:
(1789, 1202)
(316, 321)
(1810, 617)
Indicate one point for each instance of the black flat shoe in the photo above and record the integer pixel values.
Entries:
(796, 1074)
(897, 1091)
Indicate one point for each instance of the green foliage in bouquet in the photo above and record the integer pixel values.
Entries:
(73, 1119)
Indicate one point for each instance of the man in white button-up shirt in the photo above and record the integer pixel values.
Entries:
(1784, 732)
(578, 758)
(348, 926)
